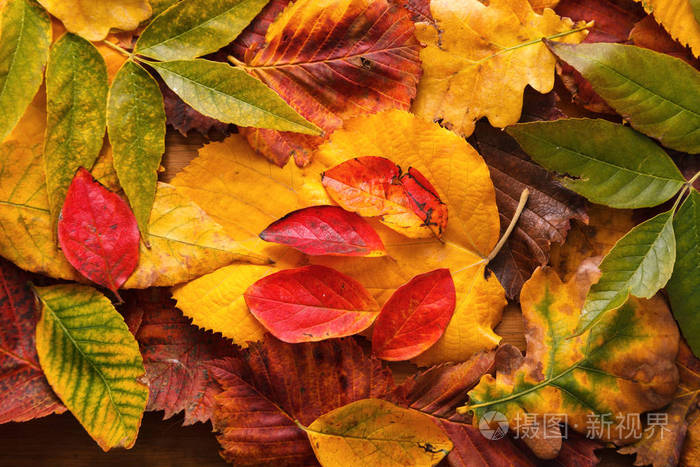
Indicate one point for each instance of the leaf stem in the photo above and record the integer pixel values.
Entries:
(693, 179)
(687, 186)
(236, 62)
(518, 211)
(117, 48)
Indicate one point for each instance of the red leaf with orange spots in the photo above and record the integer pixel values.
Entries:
(311, 303)
(98, 232)
(325, 230)
(424, 200)
(415, 316)
(25, 392)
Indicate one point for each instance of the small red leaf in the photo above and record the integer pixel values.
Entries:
(415, 316)
(424, 200)
(325, 230)
(98, 233)
(311, 303)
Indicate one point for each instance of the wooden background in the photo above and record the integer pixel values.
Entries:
(60, 441)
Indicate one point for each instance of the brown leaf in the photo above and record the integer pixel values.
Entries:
(649, 34)
(184, 118)
(547, 215)
(175, 354)
(269, 385)
(25, 392)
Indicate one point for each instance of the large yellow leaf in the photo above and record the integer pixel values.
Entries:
(244, 193)
(677, 17)
(93, 20)
(482, 59)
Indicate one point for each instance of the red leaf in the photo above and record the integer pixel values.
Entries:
(325, 230)
(424, 200)
(175, 354)
(415, 316)
(270, 384)
(25, 392)
(311, 303)
(98, 233)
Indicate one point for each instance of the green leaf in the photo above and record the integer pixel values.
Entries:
(658, 94)
(684, 287)
(695, 5)
(640, 264)
(24, 49)
(193, 28)
(159, 6)
(231, 95)
(136, 126)
(76, 87)
(607, 163)
(92, 362)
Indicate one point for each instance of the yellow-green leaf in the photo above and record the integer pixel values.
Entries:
(93, 19)
(679, 18)
(92, 362)
(193, 28)
(231, 95)
(136, 125)
(76, 88)
(373, 432)
(25, 36)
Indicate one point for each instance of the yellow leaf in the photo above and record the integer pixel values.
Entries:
(93, 20)
(677, 17)
(245, 193)
(540, 5)
(373, 432)
(482, 59)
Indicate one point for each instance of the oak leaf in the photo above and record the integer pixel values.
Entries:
(175, 355)
(93, 20)
(483, 58)
(247, 193)
(271, 384)
(678, 18)
(622, 365)
(25, 391)
(364, 59)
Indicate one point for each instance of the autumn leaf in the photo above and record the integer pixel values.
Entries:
(415, 316)
(175, 356)
(270, 385)
(325, 230)
(26, 393)
(192, 29)
(248, 193)
(311, 303)
(98, 233)
(606, 162)
(661, 108)
(92, 362)
(678, 17)
(593, 373)
(651, 35)
(482, 51)
(362, 56)
(684, 288)
(376, 432)
(545, 221)
(76, 86)
(24, 50)
(136, 126)
(94, 20)
(184, 118)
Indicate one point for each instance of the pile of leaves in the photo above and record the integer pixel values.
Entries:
(358, 210)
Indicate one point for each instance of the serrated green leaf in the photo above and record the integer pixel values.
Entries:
(606, 162)
(24, 49)
(684, 287)
(231, 95)
(193, 28)
(92, 362)
(136, 126)
(639, 264)
(658, 94)
(76, 88)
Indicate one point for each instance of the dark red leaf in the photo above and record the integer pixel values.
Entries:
(415, 316)
(424, 200)
(24, 391)
(311, 303)
(271, 384)
(175, 354)
(98, 232)
(325, 230)
(419, 9)
(184, 118)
